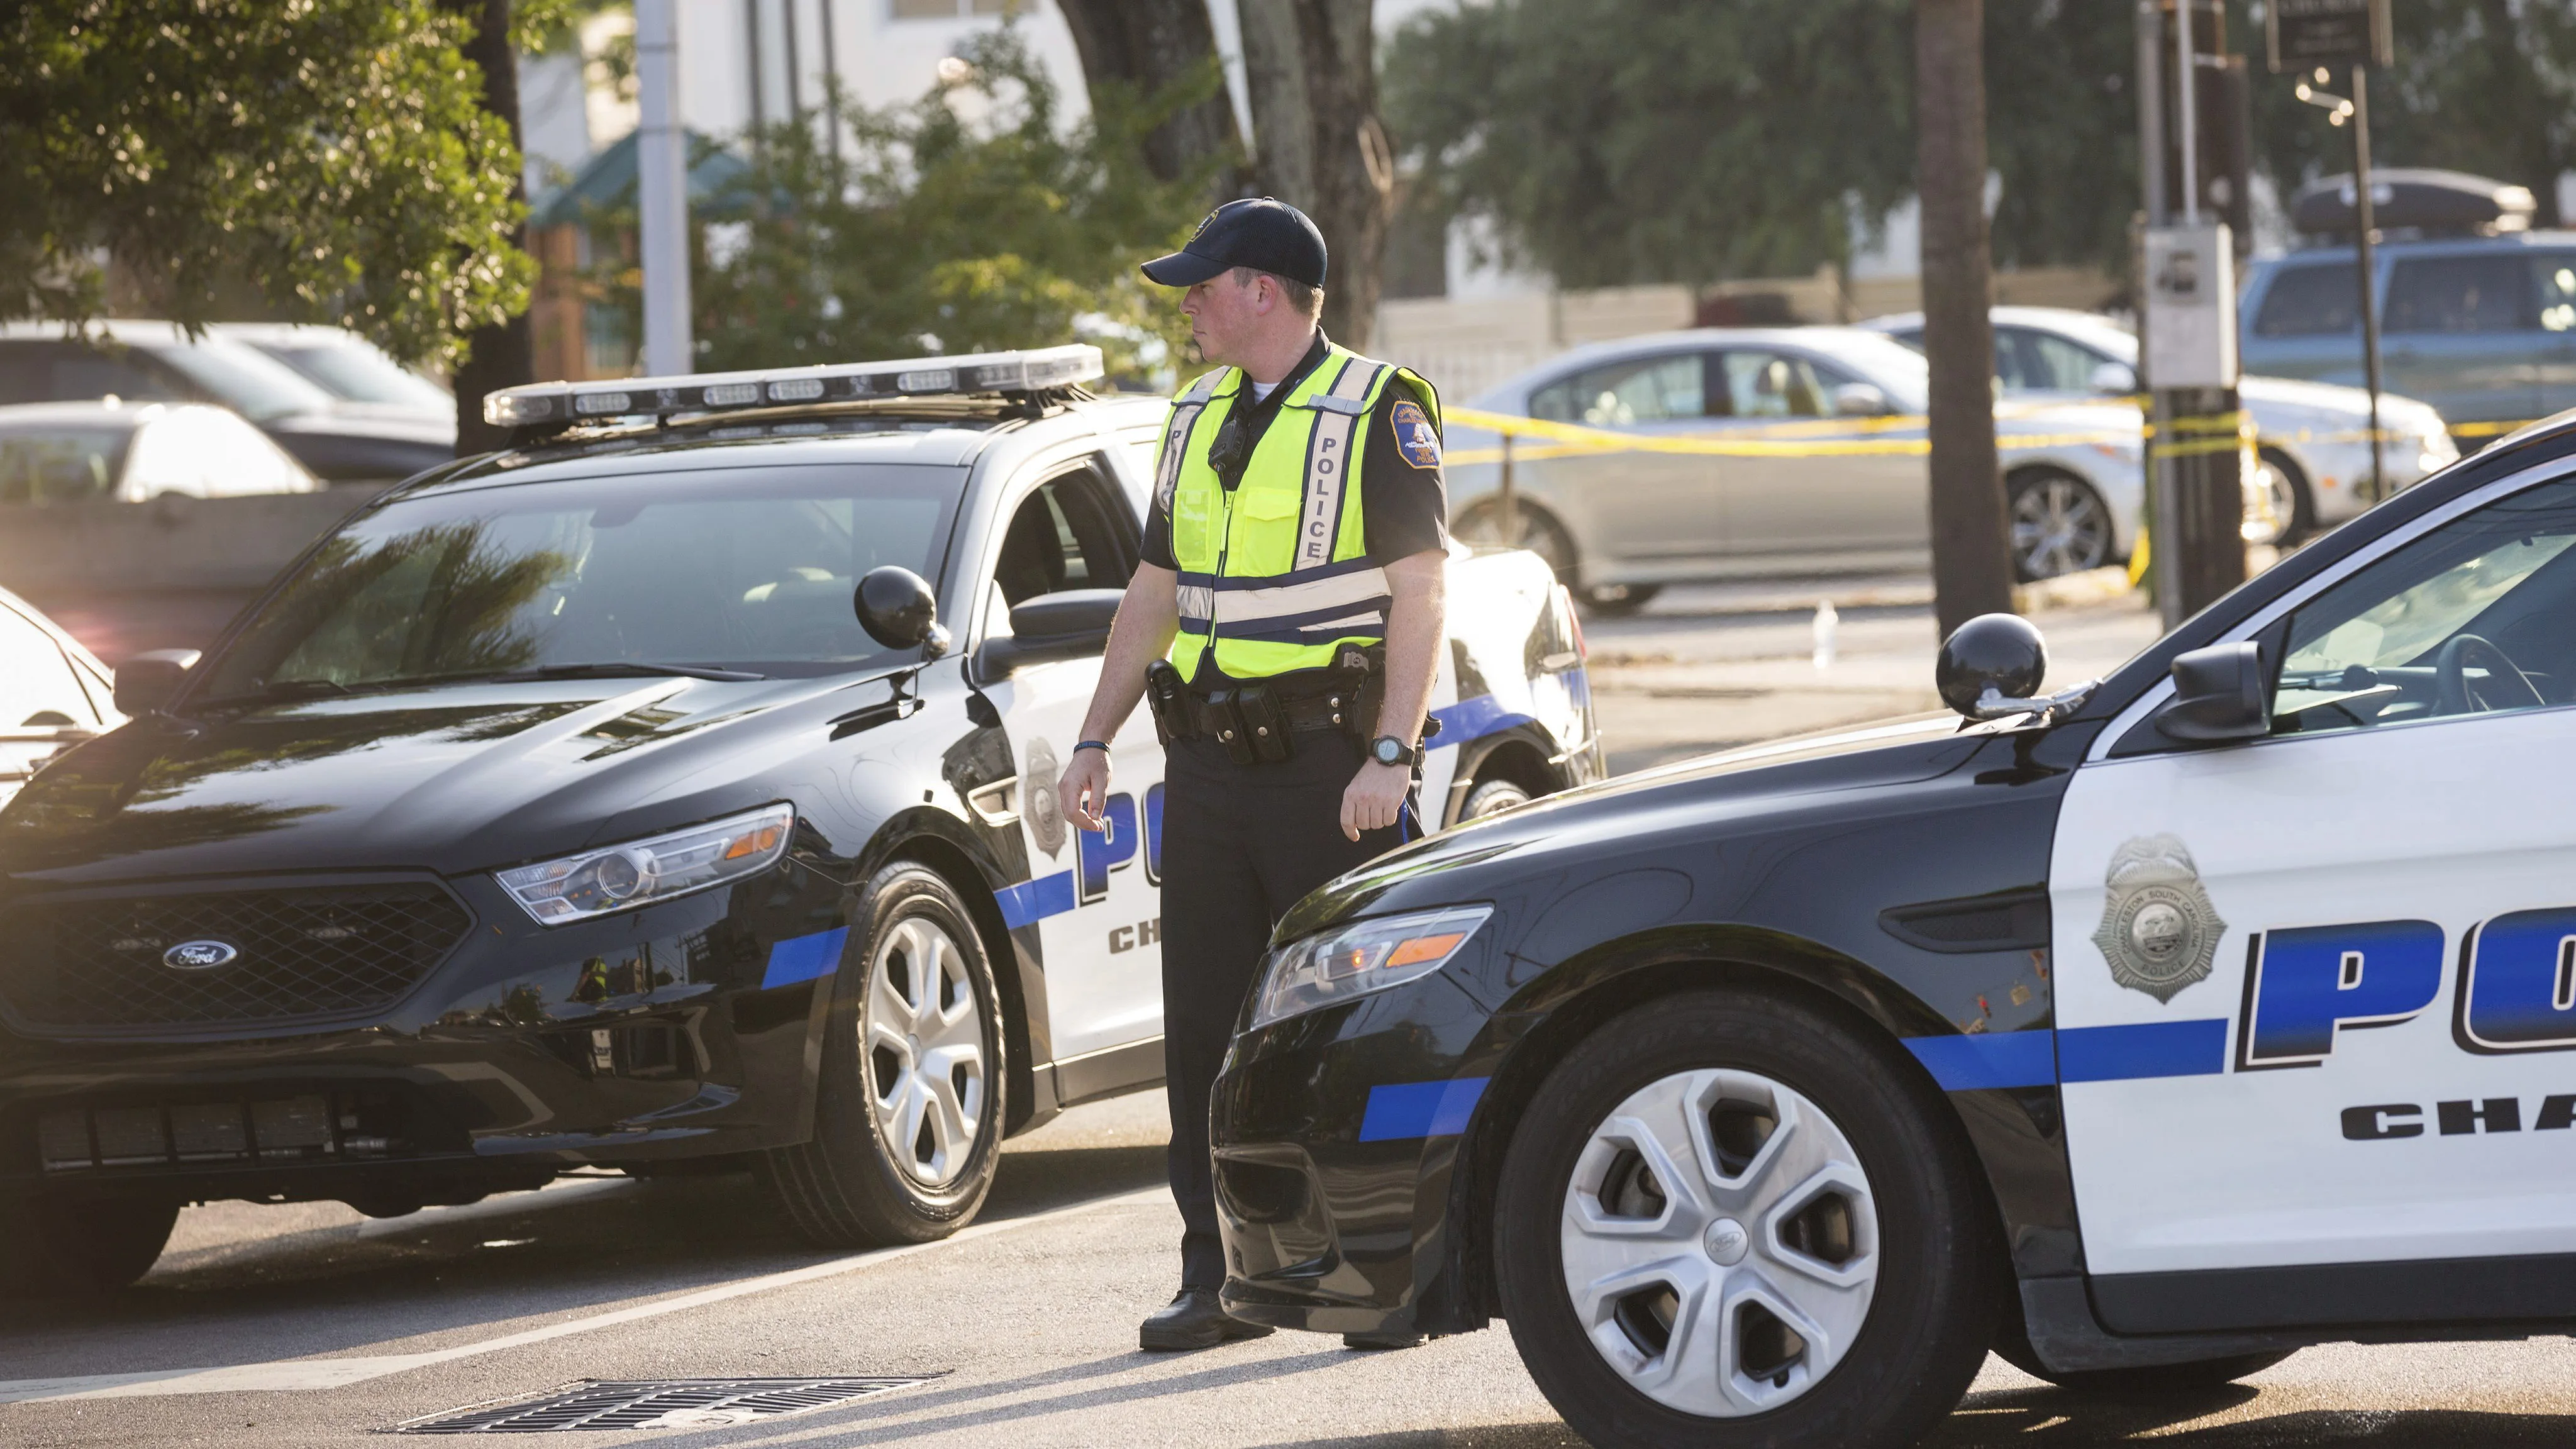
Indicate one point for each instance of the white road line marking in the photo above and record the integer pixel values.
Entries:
(331, 1373)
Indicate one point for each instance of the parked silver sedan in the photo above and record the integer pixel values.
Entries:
(1819, 466)
(2314, 437)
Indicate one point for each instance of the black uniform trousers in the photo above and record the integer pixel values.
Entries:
(1241, 844)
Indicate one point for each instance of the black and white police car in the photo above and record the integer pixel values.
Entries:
(676, 785)
(2143, 1034)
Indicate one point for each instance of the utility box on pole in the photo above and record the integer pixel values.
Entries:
(2191, 306)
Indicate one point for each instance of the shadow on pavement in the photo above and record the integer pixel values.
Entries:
(1490, 1436)
(504, 1261)
(1113, 1391)
(2066, 1417)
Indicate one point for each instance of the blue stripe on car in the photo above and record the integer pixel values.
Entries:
(2147, 1049)
(1420, 1109)
(1982, 1060)
(1472, 719)
(2043, 1058)
(1033, 901)
(802, 958)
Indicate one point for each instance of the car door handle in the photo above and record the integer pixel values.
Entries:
(997, 804)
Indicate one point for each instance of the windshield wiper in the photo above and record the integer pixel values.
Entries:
(612, 669)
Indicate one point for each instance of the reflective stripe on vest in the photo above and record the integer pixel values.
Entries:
(1275, 574)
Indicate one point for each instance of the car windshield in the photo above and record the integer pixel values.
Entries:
(747, 569)
(245, 379)
(353, 370)
(54, 462)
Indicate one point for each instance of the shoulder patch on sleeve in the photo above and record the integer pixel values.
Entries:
(1414, 435)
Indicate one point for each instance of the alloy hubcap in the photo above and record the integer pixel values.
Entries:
(2058, 527)
(922, 1047)
(1720, 1243)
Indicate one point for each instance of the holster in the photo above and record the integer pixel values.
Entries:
(1164, 691)
(1252, 725)
(1366, 667)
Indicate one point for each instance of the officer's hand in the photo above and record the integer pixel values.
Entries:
(1084, 790)
(1375, 797)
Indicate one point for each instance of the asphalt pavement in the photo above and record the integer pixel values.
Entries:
(312, 1325)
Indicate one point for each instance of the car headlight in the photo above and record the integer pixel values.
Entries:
(1359, 958)
(638, 872)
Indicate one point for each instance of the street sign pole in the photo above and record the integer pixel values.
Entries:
(2363, 224)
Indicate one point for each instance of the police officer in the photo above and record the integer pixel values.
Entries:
(1291, 592)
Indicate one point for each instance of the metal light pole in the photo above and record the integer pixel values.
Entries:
(662, 189)
(2364, 223)
(2359, 33)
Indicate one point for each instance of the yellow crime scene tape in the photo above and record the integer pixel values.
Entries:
(1773, 440)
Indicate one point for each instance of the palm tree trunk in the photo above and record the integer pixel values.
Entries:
(1971, 558)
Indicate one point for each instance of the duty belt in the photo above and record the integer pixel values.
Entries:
(1257, 720)
(1210, 716)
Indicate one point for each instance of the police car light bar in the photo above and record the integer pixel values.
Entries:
(561, 404)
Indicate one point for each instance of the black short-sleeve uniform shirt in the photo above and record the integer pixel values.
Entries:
(1404, 502)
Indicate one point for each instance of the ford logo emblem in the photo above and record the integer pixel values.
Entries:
(199, 956)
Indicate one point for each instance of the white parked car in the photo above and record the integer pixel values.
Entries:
(362, 375)
(1621, 524)
(2314, 436)
(125, 452)
(53, 693)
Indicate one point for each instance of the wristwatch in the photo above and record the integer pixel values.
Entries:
(1388, 750)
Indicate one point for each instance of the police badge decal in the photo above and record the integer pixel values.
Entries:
(2159, 931)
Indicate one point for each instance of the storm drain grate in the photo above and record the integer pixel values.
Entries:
(655, 1404)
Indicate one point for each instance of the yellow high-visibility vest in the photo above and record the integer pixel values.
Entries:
(1276, 575)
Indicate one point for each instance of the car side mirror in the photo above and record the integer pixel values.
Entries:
(1861, 400)
(897, 608)
(2220, 694)
(1065, 625)
(146, 682)
(1991, 664)
(2117, 378)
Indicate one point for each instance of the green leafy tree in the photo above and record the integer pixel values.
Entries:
(1624, 141)
(1621, 141)
(332, 153)
(970, 219)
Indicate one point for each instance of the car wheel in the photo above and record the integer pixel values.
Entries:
(2291, 501)
(2059, 526)
(61, 1249)
(1618, 601)
(1492, 797)
(1728, 1219)
(908, 1109)
(2171, 1378)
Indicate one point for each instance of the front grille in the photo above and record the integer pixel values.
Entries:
(322, 952)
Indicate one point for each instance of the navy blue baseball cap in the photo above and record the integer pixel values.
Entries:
(1263, 233)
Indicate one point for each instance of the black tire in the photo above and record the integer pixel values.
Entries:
(51, 1249)
(2303, 503)
(2171, 1378)
(850, 1186)
(1618, 601)
(1932, 1309)
(1534, 529)
(1492, 797)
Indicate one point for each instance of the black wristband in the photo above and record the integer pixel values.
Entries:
(1101, 745)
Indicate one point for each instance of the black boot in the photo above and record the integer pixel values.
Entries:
(1194, 1319)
